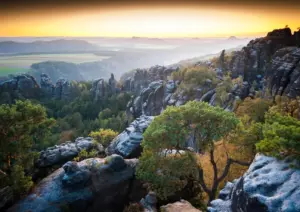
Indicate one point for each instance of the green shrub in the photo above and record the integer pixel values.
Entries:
(194, 77)
(83, 154)
(281, 136)
(254, 108)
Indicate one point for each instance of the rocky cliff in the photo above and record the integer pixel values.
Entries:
(269, 185)
(272, 62)
(90, 185)
(141, 78)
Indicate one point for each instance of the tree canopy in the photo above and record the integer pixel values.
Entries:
(23, 126)
(166, 160)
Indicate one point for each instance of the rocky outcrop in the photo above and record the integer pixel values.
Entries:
(180, 206)
(254, 59)
(26, 86)
(62, 89)
(23, 84)
(101, 89)
(91, 185)
(143, 77)
(269, 185)
(153, 99)
(127, 144)
(59, 154)
(112, 83)
(284, 75)
(47, 85)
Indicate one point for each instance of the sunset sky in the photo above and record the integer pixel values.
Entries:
(146, 19)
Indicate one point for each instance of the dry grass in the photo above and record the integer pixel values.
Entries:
(66, 136)
(220, 157)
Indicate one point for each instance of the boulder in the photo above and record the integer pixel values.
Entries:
(180, 206)
(128, 142)
(149, 202)
(6, 196)
(269, 185)
(208, 95)
(59, 154)
(91, 185)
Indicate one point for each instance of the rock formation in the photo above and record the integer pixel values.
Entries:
(101, 89)
(269, 185)
(180, 206)
(149, 203)
(47, 85)
(112, 84)
(59, 154)
(127, 144)
(62, 89)
(24, 84)
(91, 185)
(143, 77)
(284, 74)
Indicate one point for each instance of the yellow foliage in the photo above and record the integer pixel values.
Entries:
(103, 136)
(254, 108)
(221, 158)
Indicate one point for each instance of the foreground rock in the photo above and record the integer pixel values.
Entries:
(180, 206)
(91, 185)
(59, 154)
(149, 203)
(6, 196)
(128, 142)
(269, 185)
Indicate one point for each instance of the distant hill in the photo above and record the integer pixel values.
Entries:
(56, 70)
(233, 38)
(70, 71)
(54, 46)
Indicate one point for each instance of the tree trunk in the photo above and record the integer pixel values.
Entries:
(212, 193)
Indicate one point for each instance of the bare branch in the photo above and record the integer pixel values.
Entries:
(242, 163)
(2, 172)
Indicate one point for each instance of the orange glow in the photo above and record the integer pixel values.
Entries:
(149, 22)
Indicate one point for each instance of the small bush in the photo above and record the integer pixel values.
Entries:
(104, 136)
(281, 136)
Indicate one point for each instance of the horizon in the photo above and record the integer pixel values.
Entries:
(114, 19)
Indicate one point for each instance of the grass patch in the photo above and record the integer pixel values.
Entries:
(4, 71)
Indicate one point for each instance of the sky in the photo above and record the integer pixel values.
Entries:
(115, 18)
